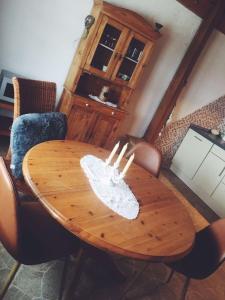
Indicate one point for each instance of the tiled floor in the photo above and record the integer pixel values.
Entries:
(42, 282)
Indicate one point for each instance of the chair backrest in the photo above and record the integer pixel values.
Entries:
(29, 130)
(147, 156)
(33, 96)
(9, 224)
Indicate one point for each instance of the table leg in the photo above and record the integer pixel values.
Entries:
(78, 269)
(103, 258)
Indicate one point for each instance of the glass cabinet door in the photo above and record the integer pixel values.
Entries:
(104, 51)
(132, 60)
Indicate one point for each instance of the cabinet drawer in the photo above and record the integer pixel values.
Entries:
(191, 153)
(198, 137)
(218, 200)
(82, 103)
(218, 151)
(91, 105)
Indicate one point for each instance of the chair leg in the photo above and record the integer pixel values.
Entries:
(64, 272)
(185, 288)
(9, 279)
(169, 277)
(78, 269)
(132, 282)
(9, 154)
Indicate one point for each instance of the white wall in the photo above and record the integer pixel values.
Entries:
(207, 81)
(39, 38)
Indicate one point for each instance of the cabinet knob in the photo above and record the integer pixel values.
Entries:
(86, 104)
(112, 113)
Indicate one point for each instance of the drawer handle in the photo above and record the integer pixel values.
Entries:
(87, 104)
(197, 138)
(222, 171)
(112, 113)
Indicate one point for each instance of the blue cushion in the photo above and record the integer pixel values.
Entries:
(31, 129)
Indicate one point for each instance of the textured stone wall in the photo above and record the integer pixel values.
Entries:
(209, 116)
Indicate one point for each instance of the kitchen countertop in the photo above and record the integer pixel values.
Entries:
(216, 139)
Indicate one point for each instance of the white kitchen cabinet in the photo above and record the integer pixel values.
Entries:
(218, 200)
(200, 163)
(210, 173)
(190, 154)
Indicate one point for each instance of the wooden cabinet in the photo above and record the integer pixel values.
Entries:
(104, 73)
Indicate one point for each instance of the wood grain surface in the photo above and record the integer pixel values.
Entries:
(163, 230)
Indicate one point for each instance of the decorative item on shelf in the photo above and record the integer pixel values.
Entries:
(89, 21)
(123, 76)
(158, 26)
(215, 131)
(104, 93)
(104, 68)
(135, 54)
(109, 41)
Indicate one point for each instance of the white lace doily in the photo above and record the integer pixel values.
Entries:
(113, 192)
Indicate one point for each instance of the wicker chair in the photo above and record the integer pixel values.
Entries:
(32, 96)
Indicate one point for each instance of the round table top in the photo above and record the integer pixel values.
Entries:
(163, 230)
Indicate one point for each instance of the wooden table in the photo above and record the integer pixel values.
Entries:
(163, 230)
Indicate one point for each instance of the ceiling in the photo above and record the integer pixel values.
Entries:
(202, 8)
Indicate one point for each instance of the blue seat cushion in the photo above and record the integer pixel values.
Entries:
(29, 130)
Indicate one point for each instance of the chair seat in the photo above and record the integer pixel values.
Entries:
(43, 238)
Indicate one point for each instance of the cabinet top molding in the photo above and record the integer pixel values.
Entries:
(127, 17)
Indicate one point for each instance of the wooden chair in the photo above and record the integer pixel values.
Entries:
(32, 96)
(147, 156)
(206, 256)
(27, 231)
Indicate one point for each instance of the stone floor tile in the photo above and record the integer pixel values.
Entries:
(14, 293)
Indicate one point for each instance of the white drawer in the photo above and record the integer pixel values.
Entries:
(199, 137)
(218, 151)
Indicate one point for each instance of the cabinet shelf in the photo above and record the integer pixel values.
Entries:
(128, 58)
(107, 47)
